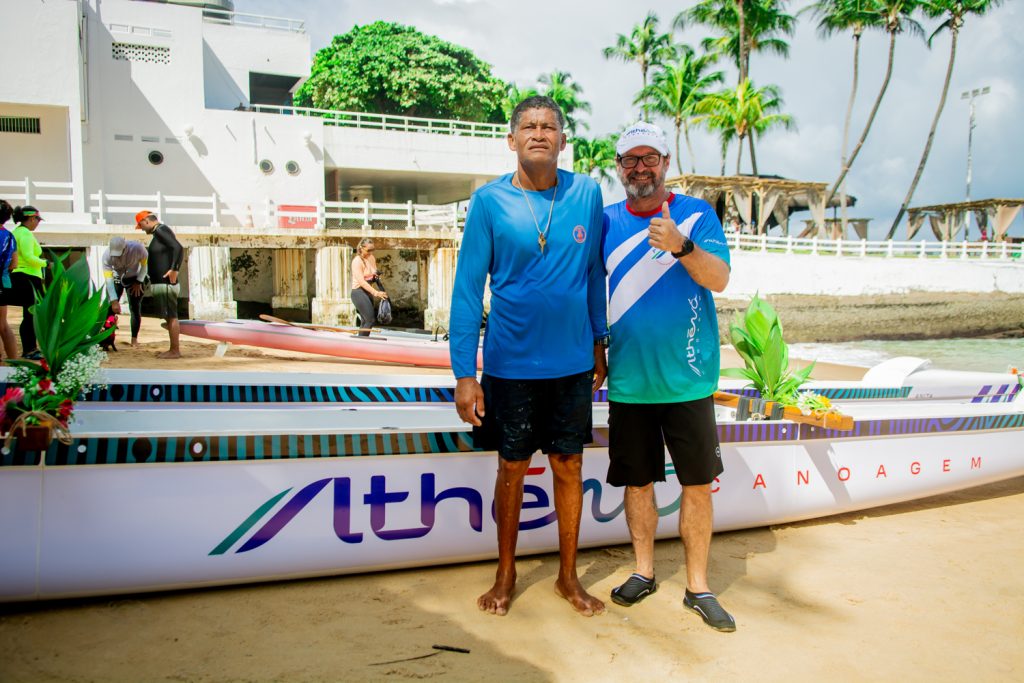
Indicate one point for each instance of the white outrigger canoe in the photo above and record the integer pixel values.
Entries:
(177, 480)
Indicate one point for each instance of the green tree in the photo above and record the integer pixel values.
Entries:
(559, 86)
(895, 17)
(388, 68)
(678, 85)
(644, 45)
(955, 12)
(746, 26)
(594, 157)
(837, 16)
(744, 113)
(513, 96)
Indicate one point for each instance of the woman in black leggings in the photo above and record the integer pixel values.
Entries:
(364, 294)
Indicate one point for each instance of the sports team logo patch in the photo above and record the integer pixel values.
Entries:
(579, 233)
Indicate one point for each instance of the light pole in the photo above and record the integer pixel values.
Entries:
(970, 95)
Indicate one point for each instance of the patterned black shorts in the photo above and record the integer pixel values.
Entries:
(524, 416)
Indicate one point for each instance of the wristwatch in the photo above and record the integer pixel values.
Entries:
(687, 248)
(602, 341)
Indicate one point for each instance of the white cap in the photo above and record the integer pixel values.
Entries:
(642, 134)
(116, 245)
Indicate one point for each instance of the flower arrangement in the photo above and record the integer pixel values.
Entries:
(70, 315)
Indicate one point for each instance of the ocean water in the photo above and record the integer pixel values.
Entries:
(979, 355)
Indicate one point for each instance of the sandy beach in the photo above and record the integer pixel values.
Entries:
(927, 590)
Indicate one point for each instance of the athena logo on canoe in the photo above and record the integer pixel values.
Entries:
(579, 233)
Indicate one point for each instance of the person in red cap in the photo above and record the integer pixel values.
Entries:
(27, 276)
(165, 256)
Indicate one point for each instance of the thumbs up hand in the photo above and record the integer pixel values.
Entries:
(662, 232)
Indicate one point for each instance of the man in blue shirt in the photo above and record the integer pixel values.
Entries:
(537, 233)
(664, 255)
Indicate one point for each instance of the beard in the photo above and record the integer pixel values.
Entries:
(641, 187)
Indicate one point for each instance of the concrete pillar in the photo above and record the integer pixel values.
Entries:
(211, 295)
(94, 257)
(440, 282)
(290, 279)
(332, 304)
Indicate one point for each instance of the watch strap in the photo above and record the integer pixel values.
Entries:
(687, 248)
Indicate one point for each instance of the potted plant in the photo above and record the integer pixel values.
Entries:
(70, 316)
(757, 337)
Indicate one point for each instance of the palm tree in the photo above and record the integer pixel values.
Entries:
(679, 84)
(895, 16)
(747, 111)
(746, 26)
(514, 96)
(836, 16)
(594, 157)
(955, 11)
(559, 86)
(644, 45)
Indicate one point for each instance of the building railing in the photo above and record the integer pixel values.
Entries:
(214, 211)
(28, 191)
(220, 16)
(407, 124)
(814, 246)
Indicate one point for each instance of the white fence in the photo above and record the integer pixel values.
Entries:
(219, 16)
(28, 191)
(885, 249)
(212, 210)
(408, 124)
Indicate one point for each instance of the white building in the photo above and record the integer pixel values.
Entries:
(183, 108)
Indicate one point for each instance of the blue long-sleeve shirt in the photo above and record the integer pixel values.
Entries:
(546, 311)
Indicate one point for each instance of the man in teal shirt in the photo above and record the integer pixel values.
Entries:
(664, 255)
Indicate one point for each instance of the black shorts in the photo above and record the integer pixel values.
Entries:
(638, 434)
(524, 416)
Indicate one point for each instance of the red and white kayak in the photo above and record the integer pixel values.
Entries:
(338, 343)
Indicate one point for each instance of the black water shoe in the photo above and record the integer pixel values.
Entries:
(635, 589)
(706, 605)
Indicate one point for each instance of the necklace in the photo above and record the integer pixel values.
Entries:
(542, 235)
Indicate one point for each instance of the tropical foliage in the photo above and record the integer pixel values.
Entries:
(679, 84)
(567, 94)
(895, 17)
(645, 46)
(594, 157)
(954, 11)
(70, 316)
(388, 68)
(742, 114)
(513, 96)
(744, 27)
(757, 337)
(838, 16)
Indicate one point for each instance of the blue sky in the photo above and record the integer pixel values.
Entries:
(526, 38)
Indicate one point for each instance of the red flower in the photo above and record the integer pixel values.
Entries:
(14, 394)
(44, 365)
(45, 386)
(65, 409)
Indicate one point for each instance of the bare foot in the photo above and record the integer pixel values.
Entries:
(135, 344)
(497, 600)
(169, 354)
(581, 601)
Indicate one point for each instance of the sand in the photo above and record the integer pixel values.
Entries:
(928, 590)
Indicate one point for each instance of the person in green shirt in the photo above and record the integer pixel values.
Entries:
(27, 276)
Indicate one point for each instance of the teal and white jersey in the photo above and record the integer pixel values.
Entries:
(664, 331)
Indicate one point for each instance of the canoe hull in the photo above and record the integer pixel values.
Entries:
(78, 530)
(422, 353)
